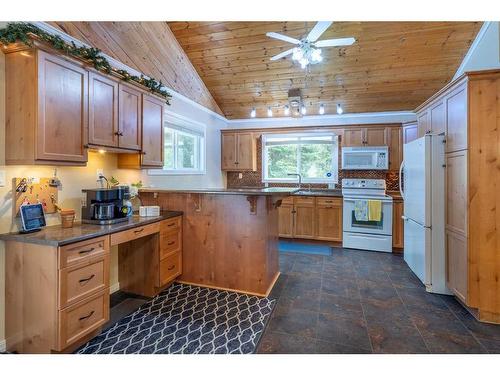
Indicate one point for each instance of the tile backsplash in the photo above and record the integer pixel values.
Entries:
(254, 179)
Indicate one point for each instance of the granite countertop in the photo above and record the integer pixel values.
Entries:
(229, 191)
(319, 192)
(55, 235)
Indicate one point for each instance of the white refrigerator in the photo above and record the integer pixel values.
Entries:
(423, 191)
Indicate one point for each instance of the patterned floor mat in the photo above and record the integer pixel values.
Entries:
(188, 319)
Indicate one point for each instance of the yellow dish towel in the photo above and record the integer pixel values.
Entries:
(374, 210)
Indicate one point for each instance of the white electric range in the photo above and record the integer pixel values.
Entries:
(366, 235)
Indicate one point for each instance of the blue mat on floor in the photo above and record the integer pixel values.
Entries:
(304, 248)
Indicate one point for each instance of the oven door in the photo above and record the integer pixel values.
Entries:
(350, 224)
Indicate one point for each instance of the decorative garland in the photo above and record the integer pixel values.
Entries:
(20, 32)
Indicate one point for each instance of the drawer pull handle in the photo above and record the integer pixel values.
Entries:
(87, 316)
(171, 243)
(138, 230)
(328, 201)
(86, 251)
(171, 225)
(171, 267)
(86, 279)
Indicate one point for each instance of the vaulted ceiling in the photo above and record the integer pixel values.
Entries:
(225, 66)
(392, 65)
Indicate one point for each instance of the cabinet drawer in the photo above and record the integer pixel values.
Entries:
(132, 234)
(304, 200)
(287, 200)
(82, 318)
(171, 225)
(329, 201)
(170, 268)
(83, 252)
(169, 242)
(80, 281)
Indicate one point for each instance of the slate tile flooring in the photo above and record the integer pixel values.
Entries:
(366, 302)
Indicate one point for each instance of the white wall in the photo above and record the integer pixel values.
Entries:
(484, 52)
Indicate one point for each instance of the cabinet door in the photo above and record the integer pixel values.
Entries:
(103, 110)
(152, 131)
(62, 110)
(457, 265)
(438, 119)
(228, 142)
(456, 119)
(304, 217)
(130, 117)
(353, 138)
(397, 225)
(410, 132)
(285, 213)
(375, 137)
(456, 192)
(329, 219)
(395, 138)
(423, 123)
(246, 152)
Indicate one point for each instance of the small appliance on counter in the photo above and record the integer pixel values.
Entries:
(106, 205)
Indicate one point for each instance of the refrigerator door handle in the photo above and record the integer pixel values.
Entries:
(400, 179)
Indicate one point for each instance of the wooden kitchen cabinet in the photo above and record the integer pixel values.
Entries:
(130, 119)
(353, 137)
(394, 136)
(456, 114)
(410, 132)
(397, 225)
(457, 265)
(372, 136)
(438, 118)
(46, 108)
(304, 222)
(329, 219)
(103, 111)
(239, 151)
(286, 219)
(423, 124)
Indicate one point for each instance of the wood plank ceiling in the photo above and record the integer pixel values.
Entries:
(392, 65)
(149, 47)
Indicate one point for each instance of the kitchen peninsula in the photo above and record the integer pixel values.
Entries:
(230, 236)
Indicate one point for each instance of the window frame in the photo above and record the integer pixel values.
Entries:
(181, 124)
(335, 158)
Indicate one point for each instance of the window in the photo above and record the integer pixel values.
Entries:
(184, 148)
(313, 155)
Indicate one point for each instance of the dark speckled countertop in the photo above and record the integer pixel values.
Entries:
(55, 235)
(229, 191)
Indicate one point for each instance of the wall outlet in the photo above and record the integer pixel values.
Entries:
(2, 178)
(99, 173)
(240, 175)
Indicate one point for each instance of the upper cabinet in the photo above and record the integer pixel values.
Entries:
(394, 135)
(152, 131)
(423, 124)
(410, 132)
(130, 118)
(456, 113)
(239, 151)
(46, 109)
(353, 137)
(369, 136)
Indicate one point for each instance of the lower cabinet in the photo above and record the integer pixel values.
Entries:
(317, 218)
(397, 225)
(457, 265)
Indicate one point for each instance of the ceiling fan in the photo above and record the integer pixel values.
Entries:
(308, 49)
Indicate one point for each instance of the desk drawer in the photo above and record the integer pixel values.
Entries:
(170, 268)
(132, 234)
(82, 318)
(83, 252)
(81, 281)
(169, 242)
(171, 225)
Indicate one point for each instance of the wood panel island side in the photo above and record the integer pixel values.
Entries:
(230, 236)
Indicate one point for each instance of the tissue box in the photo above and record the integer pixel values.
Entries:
(149, 211)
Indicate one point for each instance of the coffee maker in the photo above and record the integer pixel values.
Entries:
(105, 205)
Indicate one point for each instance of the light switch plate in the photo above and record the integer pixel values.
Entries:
(2, 178)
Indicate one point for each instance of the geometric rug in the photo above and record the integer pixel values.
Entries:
(187, 319)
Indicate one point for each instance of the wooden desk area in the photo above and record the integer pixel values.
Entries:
(57, 280)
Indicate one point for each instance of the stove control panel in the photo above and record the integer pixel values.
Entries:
(359, 183)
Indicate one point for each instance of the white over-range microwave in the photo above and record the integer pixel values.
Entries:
(362, 158)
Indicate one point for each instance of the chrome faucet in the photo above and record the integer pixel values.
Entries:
(299, 176)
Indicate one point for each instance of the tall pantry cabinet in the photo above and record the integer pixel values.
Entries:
(468, 112)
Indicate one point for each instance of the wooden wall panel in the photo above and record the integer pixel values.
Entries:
(149, 47)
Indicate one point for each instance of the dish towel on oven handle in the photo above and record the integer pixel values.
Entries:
(361, 210)
(374, 210)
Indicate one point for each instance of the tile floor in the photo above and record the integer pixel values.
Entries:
(366, 302)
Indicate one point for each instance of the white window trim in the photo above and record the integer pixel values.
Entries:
(177, 120)
(335, 160)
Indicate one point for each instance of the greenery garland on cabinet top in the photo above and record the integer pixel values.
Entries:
(20, 32)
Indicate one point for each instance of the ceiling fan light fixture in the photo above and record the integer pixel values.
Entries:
(269, 112)
(316, 55)
(339, 109)
(253, 112)
(321, 109)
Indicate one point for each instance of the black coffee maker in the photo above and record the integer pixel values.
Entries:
(106, 205)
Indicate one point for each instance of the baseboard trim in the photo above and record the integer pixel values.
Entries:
(221, 288)
(3, 346)
(114, 288)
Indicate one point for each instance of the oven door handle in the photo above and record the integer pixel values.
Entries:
(354, 200)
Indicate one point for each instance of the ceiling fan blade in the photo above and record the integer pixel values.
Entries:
(317, 30)
(283, 37)
(335, 42)
(282, 54)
